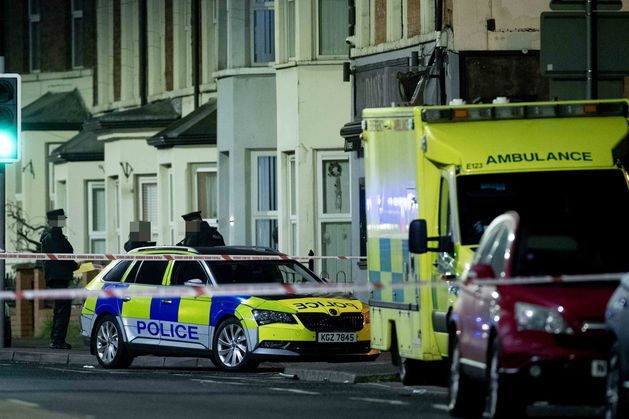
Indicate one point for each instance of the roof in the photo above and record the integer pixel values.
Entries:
(198, 127)
(55, 111)
(152, 115)
(82, 147)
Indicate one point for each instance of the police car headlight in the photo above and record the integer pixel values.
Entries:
(267, 317)
(534, 317)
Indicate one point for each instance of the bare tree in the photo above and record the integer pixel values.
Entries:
(27, 232)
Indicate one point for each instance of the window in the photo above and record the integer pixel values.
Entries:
(185, 271)
(34, 35)
(334, 214)
(50, 174)
(116, 273)
(266, 272)
(96, 216)
(148, 205)
(205, 192)
(171, 205)
(263, 32)
(290, 28)
(264, 199)
(333, 27)
(151, 272)
(61, 198)
(77, 33)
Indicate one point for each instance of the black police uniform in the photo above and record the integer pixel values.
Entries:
(58, 274)
(207, 236)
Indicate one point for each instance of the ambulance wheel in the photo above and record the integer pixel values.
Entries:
(109, 345)
(408, 369)
(230, 349)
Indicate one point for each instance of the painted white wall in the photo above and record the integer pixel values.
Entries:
(131, 148)
(180, 160)
(313, 103)
(76, 175)
(36, 85)
(246, 121)
(517, 24)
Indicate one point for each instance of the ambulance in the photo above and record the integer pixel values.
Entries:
(236, 331)
(435, 177)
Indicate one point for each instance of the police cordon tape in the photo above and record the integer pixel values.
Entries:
(162, 256)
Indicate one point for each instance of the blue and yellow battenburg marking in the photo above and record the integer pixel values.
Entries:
(190, 321)
(386, 266)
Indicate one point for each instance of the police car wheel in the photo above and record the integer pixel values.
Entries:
(230, 347)
(108, 344)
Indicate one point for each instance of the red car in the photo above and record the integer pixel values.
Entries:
(514, 344)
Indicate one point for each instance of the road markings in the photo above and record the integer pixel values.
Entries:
(23, 403)
(293, 390)
(369, 399)
(218, 382)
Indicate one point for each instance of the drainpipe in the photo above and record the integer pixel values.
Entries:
(143, 52)
(196, 50)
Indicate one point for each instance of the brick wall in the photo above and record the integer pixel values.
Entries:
(381, 21)
(414, 18)
(15, 32)
(56, 48)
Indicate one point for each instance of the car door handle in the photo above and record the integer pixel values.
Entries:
(167, 301)
(125, 299)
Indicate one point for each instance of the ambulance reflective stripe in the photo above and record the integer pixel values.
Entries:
(391, 255)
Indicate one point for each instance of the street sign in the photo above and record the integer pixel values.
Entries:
(580, 4)
(564, 44)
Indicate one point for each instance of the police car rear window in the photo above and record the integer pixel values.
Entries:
(115, 274)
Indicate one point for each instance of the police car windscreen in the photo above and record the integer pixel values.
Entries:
(261, 272)
(573, 214)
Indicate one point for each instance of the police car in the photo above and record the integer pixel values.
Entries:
(236, 332)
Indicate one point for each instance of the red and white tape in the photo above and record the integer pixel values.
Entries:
(169, 256)
(118, 291)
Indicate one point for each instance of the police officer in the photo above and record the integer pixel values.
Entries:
(139, 235)
(58, 274)
(199, 233)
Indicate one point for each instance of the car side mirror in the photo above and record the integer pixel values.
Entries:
(193, 283)
(481, 271)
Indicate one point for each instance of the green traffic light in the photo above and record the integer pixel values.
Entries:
(7, 144)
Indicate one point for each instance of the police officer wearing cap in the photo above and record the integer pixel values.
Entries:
(58, 274)
(199, 233)
(139, 235)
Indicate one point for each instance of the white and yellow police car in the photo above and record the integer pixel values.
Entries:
(236, 332)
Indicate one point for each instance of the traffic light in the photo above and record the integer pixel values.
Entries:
(10, 118)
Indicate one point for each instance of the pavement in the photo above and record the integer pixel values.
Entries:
(37, 351)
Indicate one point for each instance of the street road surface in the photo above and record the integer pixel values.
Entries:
(51, 391)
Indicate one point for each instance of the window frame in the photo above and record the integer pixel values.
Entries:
(76, 14)
(292, 205)
(257, 214)
(330, 218)
(34, 19)
(95, 235)
(318, 33)
(253, 7)
(205, 168)
(142, 180)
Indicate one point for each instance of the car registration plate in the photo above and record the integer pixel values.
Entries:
(336, 337)
(599, 368)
